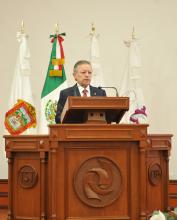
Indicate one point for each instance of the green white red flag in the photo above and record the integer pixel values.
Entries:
(55, 81)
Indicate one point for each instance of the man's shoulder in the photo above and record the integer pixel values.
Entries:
(67, 90)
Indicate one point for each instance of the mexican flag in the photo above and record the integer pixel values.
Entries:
(55, 81)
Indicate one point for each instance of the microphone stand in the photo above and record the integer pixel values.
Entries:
(109, 87)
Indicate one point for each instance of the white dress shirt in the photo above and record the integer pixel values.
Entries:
(82, 88)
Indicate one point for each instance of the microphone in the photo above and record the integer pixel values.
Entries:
(109, 87)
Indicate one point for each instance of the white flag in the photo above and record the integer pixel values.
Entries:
(131, 88)
(97, 79)
(21, 87)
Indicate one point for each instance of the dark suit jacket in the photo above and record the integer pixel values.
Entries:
(73, 91)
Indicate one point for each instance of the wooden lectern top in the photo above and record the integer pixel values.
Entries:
(95, 109)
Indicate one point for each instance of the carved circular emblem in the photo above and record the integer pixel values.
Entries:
(27, 176)
(155, 173)
(98, 181)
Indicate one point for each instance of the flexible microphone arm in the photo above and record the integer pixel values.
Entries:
(109, 87)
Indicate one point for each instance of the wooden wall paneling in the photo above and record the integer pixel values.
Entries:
(172, 194)
(3, 193)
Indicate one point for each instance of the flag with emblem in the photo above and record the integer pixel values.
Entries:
(21, 86)
(55, 81)
(20, 118)
(131, 85)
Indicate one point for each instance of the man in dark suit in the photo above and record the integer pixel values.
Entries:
(82, 74)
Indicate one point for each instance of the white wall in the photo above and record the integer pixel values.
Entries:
(155, 23)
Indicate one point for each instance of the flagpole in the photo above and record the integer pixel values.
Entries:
(133, 38)
(93, 29)
(22, 28)
(133, 34)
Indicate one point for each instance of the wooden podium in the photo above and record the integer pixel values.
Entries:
(88, 171)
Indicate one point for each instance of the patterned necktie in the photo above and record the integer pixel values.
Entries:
(85, 92)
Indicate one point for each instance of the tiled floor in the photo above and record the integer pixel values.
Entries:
(3, 214)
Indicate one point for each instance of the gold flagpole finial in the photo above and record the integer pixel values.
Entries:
(133, 34)
(56, 28)
(93, 28)
(22, 28)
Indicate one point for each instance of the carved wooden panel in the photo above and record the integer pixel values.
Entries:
(155, 174)
(107, 162)
(25, 190)
(157, 183)
(27, 176)
(98, 181)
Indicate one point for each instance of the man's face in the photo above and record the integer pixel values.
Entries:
(83, 75)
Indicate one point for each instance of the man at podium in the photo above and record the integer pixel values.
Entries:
(82, 73)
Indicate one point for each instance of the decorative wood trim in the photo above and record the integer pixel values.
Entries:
(172, 195)
(173, 182)
(3, 193)
(3, 181)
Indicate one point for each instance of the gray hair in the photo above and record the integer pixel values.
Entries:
(80, 62)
